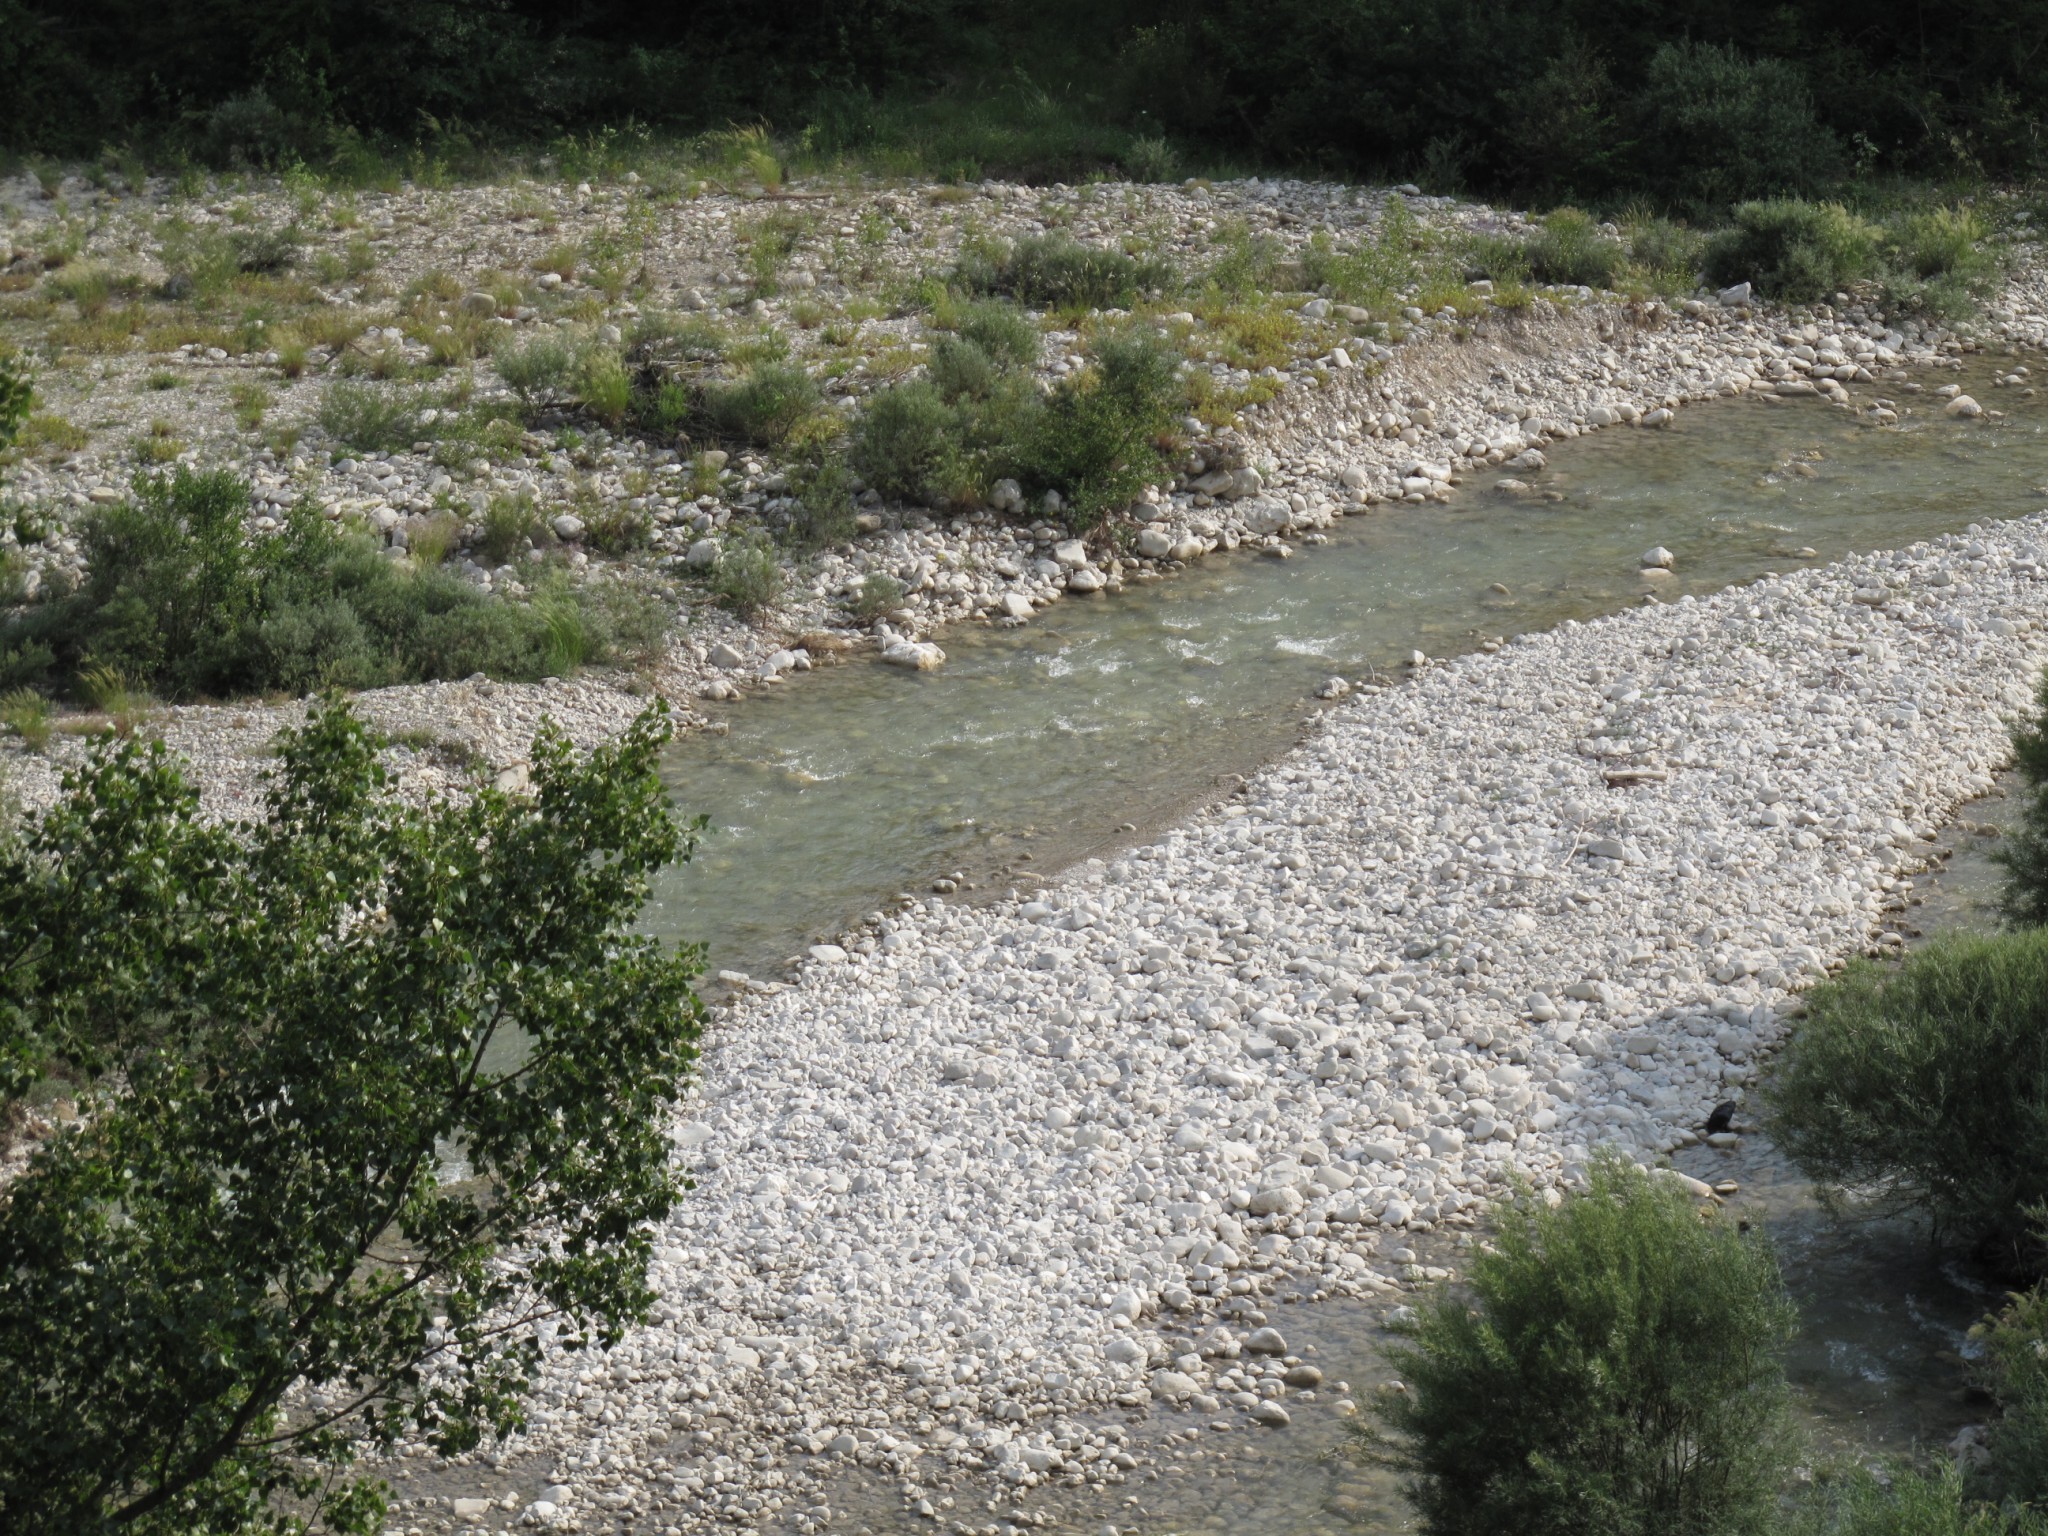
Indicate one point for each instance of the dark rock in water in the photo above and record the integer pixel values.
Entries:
(1721, 1119)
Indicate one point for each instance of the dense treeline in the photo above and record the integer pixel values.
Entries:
(1543, 97)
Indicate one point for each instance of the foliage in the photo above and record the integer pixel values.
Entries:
(368, 418)
(748, 576)
(27, 714)
(2015, 1363)
(510, 523)
(537, 369)
(763, 406)
(880, 595)
(1004, 333)
(1571, 248)
(1729, 128)
(1907, 1503)
(1796, 252)
(1927, 1085)
(1097, 439)
(2024, 850)
(279, 1031)
(17, 397)
(1615, 1371)
(909, 442)
(822, 507)
(1057, 271)
(178, 599)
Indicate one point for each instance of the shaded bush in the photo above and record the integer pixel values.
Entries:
(2024, 850)
(1615, 1370)
(764, 405)
(1096, 440)
(17, 397)
(176, 599)
(1796, 252)
(1572, 248)
(1057, 271)
(2015, 1367)
(1906, 1503)
(1726, 128)
(960, 369)
(1927, 1086)
(1002, 331)
(822, 507)
(909, 442)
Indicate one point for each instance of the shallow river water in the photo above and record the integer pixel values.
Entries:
(1035, 746)
(1104, 719)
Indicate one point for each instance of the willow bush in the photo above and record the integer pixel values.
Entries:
(1926, 1086)
(1612, 1368)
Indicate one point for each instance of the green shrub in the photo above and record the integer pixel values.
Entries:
(1925, 1085)
(1906, 1503)
(1797, 252)
(177, 600)
(959, 369)
(909, 442)
(510, 522)
(880, 595)
(1570, 248)
(1939, 261)
(1096, 440)
(748, 576)
(26, 713)
(1002, 331)
(1728, 128)
(2015, 1367)
(604, 387)
(1665, 250)
(539, 369)
(763, 406)
(2024, 851)
(370, 418)
(17, 397)
(821, 488)
(1615, 1370)
(1057, 271)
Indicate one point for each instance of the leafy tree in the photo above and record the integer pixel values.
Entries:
(1927, 1085)
(370, 1095)
(1616, 1370)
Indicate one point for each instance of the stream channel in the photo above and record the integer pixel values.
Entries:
(1103, 721)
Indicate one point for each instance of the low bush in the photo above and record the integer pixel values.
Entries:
(822, 508)
(1794, 251)
(1923, 1086)
(748, 576)
(2015, 1368)
(1906, 1503)
(1613, 1369)
(1058, 272)
(909, 442)
(538, 369)
(880, 595)
(764, 406)
(17, 398)
(176, 599)
(603, 386)
(369, 418)
(1002, 331)
(1572, 248)
(960, 369)
(2024, 850)
(1097, 438)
